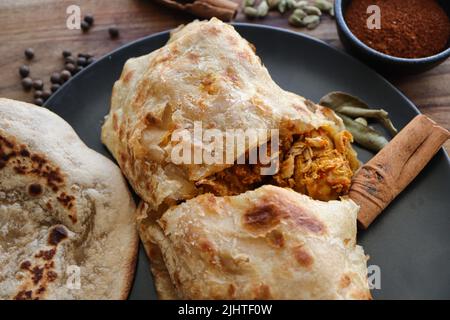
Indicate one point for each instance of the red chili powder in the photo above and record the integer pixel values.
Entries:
(409, 29)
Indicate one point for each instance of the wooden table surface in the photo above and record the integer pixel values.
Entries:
(41, 25)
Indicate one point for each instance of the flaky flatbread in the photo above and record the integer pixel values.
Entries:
(208, 73)
(270, 243)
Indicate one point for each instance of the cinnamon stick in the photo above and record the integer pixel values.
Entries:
(380, 180)
(225, 10)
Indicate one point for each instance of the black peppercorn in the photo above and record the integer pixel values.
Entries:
(46, 94)
(37, 94)
(55, 87)
(29, 53)
(78, 69)
(38, 84)
(66, 53)
(38, 101)
(55, 78)
(81, 61)
(89, 19)
(84, 26)
(65, 75)
(27, 83)
(70, 67)
(24, 71)
(113, 32)
(70, 59)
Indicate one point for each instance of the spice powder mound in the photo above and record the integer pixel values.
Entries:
(409, 29)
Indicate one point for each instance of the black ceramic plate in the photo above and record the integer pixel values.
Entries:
(410, 242)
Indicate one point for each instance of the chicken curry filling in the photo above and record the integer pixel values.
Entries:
(319, 163)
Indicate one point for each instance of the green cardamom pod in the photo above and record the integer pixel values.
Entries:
(263, 9)
(312, 10)
(282, 6)
(300, 4)
(331, 12)
(290, 4)
(249, 3)
(323, 5)
(362, 120)
(295, 21)
(299, 13)
(311, 21)
(273, 3)
(250, 12)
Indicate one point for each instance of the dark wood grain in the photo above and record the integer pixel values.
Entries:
(41, 24)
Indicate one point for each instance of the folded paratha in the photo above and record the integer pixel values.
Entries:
(67, 224)
(270, 243)
(208, 73)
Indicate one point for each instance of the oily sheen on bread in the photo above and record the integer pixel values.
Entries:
(208, 73)
(270, 243)
(67, 225)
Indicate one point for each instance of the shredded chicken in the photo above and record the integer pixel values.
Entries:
(234, 180)
(320, 164)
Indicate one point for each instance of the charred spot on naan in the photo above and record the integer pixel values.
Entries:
(41, 272)
(47, 176)
(268, 212)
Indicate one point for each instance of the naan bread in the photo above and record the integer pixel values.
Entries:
(207, 72)
(270, 243)
(62, 207)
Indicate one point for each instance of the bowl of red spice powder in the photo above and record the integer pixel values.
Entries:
(395, 37)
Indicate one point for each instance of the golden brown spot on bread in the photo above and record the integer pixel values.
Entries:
(213, 31)
(231, 75)
(262, 218)
(128, 76)
(233, 41)
(151, 120)
(115, 122)
(233, 265)
(123, 157)
(144, 89)
(262, 292)
(275, 239)
(207, 248)
(208, 84)
(302, 256)
(209, 202)
(244, 55)
(231, 290)
(345, 281)
(268, 212)
(202, 105)
(194, 57)
(361, 295)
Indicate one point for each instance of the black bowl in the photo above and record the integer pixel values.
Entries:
(384, 63)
